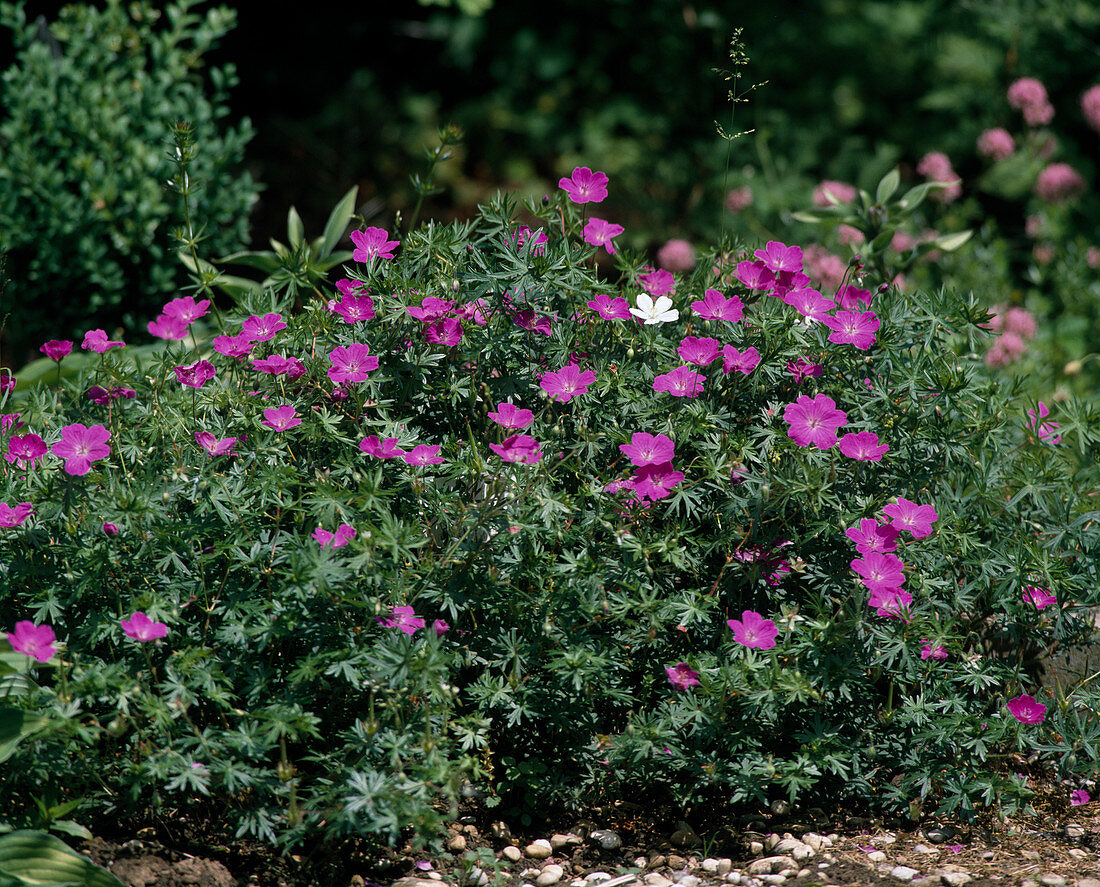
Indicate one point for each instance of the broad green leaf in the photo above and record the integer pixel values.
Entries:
(31, 857)
(951, 242)
(338, 221)
(915, 196)
(265, 261)
(887, 186)
(295, 230)
(335, 259)
(883, 240)
(68, 827)
(15, 726)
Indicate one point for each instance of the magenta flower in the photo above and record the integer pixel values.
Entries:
(863, 445)
(597, 232)
(403, 619)
(1026, 710)
(1079, 797)
(518, 448)
(522, 234)
(351, 363)
(343, 535)
(681, 675)
(699, 351)
(829, 193)
(508, 415)
(906, 515)
(10, 422)
(381, 449)
(355, 308)
(657, 283)
(97, 341)
(110, 529)
(654, 482)
(196, 374)
(932, 652)
(753, 630)
(57, 349)
(186, 310)
(80, 446)
(7, 380)
(648, 449)
(715, 306)
(890, 602)
(872, 536)
(25, 451)
(14, 517)
(567, 383)
(809, 303)
(609, 308)
(742, 361)
(1047, 431)
(99, 395)
(277, 365)
(879, 571)
(448, 331)
(755, 275)
(585, 186)
(440, 628)
(424, 454)
(430, 309)
(680, 382)
(262, 329)
(141, 628)
(527, 319)
(802, 369)
(853, 328)
(233, 346)
(373, 243)
(1041, 598)
(849, 297)
(166, 327)
(778, 257)
(216, 446)
(36, 641)
(281, 418)
(814, 421)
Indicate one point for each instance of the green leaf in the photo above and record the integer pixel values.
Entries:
(265, 261)
(915, 196)
(68, 827)
(295, 230)
(338, 221)
(951, 242)
(887, 186)
(15, 726)
(31, 857)
(335, 259)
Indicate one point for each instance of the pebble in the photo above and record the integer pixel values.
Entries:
(725, 866)
(500, 831)
(476, 878)
(686, 880)
(657, 861)
(559, 841)
(773, 879)
(1052, 880)
(924, 848)
(939, 835)
(676, 862)
(780, 808)
(771, 864)
(771, 840)
(804, 873)
(596, 877)
(813, 840)
(539, 849)
(512, 853)
(926, 881)
(710, 866)
(794, 848)
(457, 844)
(529, 873)
(1078, 853)
(656, 880)
(684, 838)
(1088, 882)
(756, 848)
(550, 875)
(1075, 832)
(876, 856)
(987, 854)
(605, 839)
(955, 879)
(903, 873)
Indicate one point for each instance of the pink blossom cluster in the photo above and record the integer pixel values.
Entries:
(654, 477)
(825, 267)
(255, 328)
(1058, 183)
(176, 317)
(996, 144)
(676, 255)
(739, 199)
(936, 167)
(1015, 326)
(1090, 106)
(829, 193)
(1029, 96)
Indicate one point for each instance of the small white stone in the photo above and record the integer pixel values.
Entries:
(804, 873)
(756, 848)
(770, 841)
(539, 849)
(710, 866)
(876, 856)
(903, 873)
(457, 844)
(639, 862)
(1052, 880)
(529, 873)
(773, 879)
(955, 879)
(435, 876)
(686, 880)
(577, 882)
(812, 840)
(1087, 882)
(559, 841)
(657, 880)
(596, 877)
(831, 839)
(550, 875)
(924, 848)
(771, 864)
(512, 853)
(1078, 853)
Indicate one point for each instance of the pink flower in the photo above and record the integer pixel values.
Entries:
(216, 446)
(585, 186)
(508, 415)
(10, 422)
(430, 309)
(141, 628)
(680, 382)
(609, 308)
(14, 517)
(1041, 598)
(36, 641)
(890, 602)
(648, 449)
(97, 341)
(262, 329)
(849, 296)
(739, 199)
(936, 166)
(518, 448)
(110, 529)
(871, 536)
(802, 369)
(753, 630)
(446, 332)
(879, 571)
(186, 310)
(57, 349)
(699, 351)
(814, 421)
(847, 234)
(343, 535)
(1030, 97)
(1026, 710)
(597, 233)
(281, 418)
(374, 243)
(831, 193)
(1080, 796)
(80, 446)
(278, 365)
(1090, 106)
(654, 482)
(424, 454)
(233, 346)
(932, 652)
(657, 283)
(7, 381)
(779, 257)
(527, 319)
(682, 676)
(403, 619)
(742, 361)
(810, 303)
(824, 267)
(715, 306)
(351, 363)
(196, 374)
(863, 445)
(1047, 431)
(1058, 183)
(523, 233)
(566, 383)
(676, 255)
(381, 449)
(25, 451)
(755, 275)
(996, 144)
(355, 308)
(906, 515)
(166, 327)
(440, 628)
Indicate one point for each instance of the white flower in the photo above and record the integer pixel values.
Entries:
(652, 312)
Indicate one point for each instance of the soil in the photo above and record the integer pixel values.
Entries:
(1001, 854)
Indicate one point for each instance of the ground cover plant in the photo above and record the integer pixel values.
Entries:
(482, 513)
